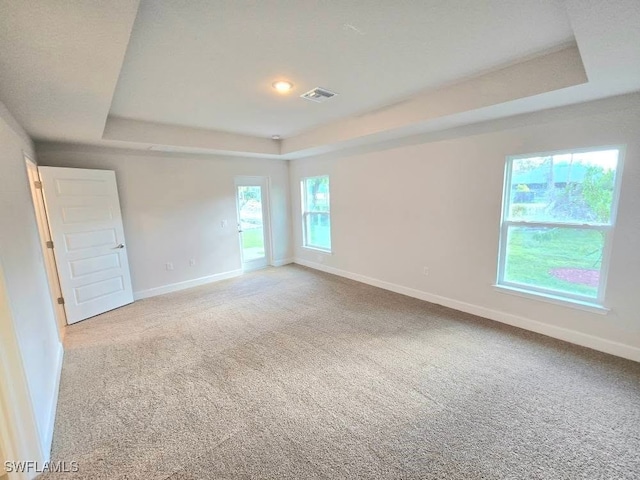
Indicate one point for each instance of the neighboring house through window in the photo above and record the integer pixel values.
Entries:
(559, 213)
(316, 213)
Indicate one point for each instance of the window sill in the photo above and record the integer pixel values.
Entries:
(318, 249)
(565, 302)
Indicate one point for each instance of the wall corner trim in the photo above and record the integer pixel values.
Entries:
(280, 263)
(48, 434)
(175, 287)
(583, 339)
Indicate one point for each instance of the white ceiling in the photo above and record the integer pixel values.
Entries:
(60, 61)
(196, 75)
(211, 64)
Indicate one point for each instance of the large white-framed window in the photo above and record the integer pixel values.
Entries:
(558, 217)
(316, 213)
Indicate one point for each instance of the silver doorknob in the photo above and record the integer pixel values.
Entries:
(119, 246)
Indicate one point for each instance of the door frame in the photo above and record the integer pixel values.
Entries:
(55, 290)
(265, 183)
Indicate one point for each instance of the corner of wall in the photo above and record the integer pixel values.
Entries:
(17, 129)
(47, 435)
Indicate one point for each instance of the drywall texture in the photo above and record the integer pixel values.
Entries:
(173, 207)
(26, 282)
(435, 201)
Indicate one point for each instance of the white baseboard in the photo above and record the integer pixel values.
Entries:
(571, 336)
(280, 263)
(175, 287)
(47, 439)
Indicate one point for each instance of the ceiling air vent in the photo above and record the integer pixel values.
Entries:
(318, 95)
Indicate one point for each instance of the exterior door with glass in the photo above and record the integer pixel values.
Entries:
(253, 225)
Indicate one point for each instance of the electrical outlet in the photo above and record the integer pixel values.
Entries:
(223, 224)
(192, 262)
(425, 271)
(169, 266)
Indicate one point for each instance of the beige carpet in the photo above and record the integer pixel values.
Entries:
(291, 373)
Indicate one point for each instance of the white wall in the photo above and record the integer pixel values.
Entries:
(26, 282)
(19, 435)
(435, 201)
(173, 205)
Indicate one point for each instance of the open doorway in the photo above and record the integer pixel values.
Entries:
(252, 200)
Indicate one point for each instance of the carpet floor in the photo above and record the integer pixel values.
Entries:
(290, 373)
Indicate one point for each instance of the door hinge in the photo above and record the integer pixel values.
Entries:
(60, 301)
(38, 184)
(49, 244)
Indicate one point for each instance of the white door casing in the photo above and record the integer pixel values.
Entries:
(45, 238)
(84, 217)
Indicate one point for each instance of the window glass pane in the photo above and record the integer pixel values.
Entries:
(317, 194)
(251, 222)
(562, 259)
(317, 219)
(568, 187)
(319, 230)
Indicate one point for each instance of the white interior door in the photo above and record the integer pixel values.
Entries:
(88, 239)
(253, 221)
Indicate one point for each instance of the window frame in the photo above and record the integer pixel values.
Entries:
(305, 213)
(608, 229)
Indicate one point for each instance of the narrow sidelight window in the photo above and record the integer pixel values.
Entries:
(316, 213)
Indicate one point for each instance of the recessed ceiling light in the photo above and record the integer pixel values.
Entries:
(282, 86)
(275, 137)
